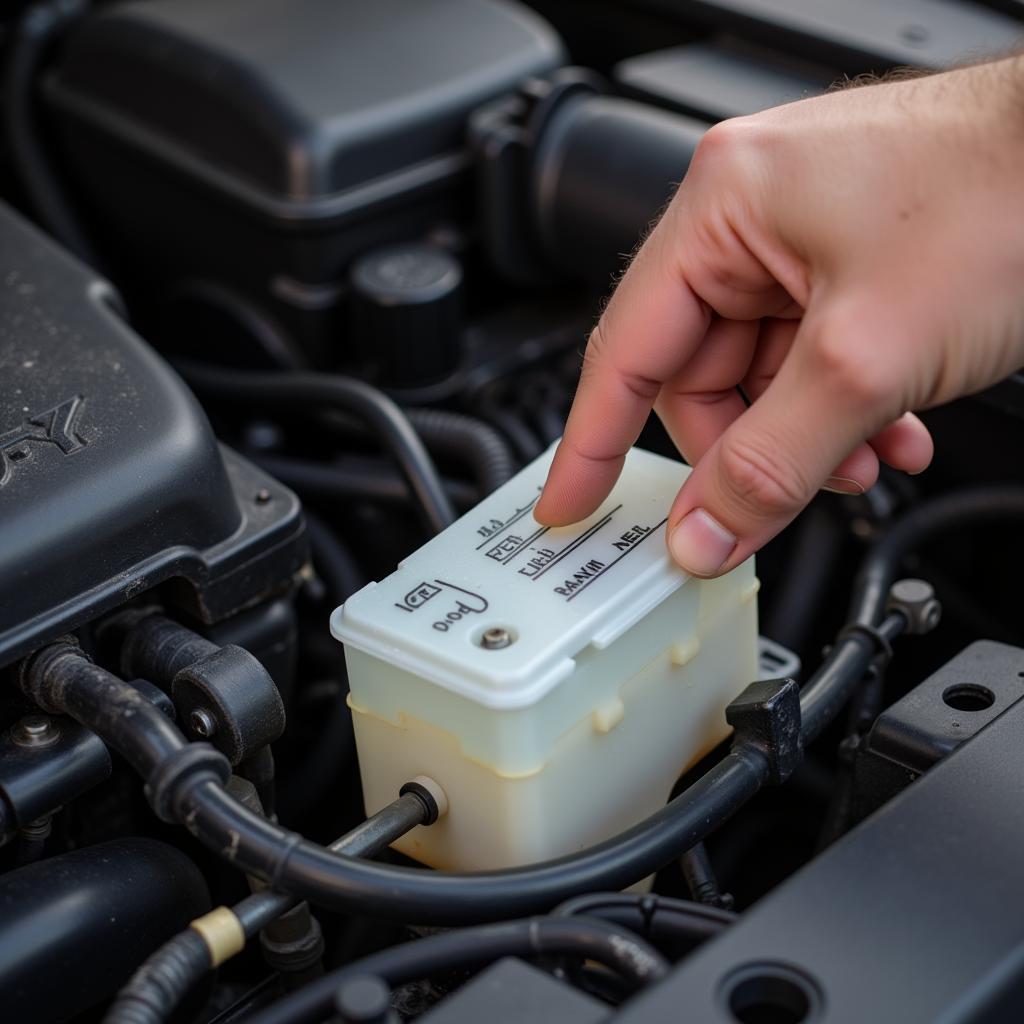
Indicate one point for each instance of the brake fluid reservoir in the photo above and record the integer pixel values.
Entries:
(554, 682)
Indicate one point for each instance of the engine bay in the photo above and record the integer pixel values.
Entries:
(303, 716)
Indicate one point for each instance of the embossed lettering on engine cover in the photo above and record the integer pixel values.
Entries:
(57, 426)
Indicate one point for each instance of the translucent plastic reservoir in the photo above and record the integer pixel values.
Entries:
(553, 682)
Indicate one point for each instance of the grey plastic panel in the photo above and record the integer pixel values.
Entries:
(906, 920)
(862, 33)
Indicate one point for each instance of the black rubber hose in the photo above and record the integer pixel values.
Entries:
(975, 506)
(160, 985)
(32, 38)
(523, 440)
(164, 980)
(367, 839)
(403, 894)
(311, 392)
(63, 681)
(665, 921)
(353, 479)
(74, 926)
(621, 951)
(158, 648)
(835, 682)
(442, 898)
(332, 560)
(476, 444)
(699, 875)
(454, 437)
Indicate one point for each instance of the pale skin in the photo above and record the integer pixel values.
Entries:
(845, 261)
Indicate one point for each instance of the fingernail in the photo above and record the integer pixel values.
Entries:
(700, 544)
(842, 485)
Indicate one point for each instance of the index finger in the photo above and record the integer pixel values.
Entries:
(651, 326)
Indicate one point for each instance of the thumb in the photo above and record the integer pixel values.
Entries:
(773, 459)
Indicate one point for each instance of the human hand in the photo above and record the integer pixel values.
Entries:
(843, 260)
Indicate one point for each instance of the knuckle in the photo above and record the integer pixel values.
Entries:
(728, 143)
(843, 359)
(761, 480)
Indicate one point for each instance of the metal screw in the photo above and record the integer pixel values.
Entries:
(202, 723)
(263, 496)
(495, 638)
(35, 731)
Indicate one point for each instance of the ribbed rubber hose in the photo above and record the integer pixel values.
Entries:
(469, 440)
(301, 393)
(162, 983)
(158, 987)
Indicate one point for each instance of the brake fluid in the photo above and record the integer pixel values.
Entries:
(554, 682)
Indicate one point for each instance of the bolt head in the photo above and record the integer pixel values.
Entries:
(202, 723)
(495, 638)
(35, 731)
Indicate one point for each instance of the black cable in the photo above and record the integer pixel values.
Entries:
(409, 895)
(185, 782)
(159, 986)
(62, 681)
(877, 573)
(353, 478)
(681, 924)
(477, 444)
(403, 894)
(68, 683)
(974, 506)
(167, 976)
(435, 897)
(367, 839)
(699, 875)
(32, 37)
(626, 954)
(303, 393)
(834, 683)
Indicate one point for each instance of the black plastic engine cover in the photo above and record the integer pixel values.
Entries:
(296, 133)
(111, 480)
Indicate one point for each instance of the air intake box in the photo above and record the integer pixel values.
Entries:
(261, 144)
(111, 481)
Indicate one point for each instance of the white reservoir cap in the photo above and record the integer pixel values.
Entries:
(554, 591)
